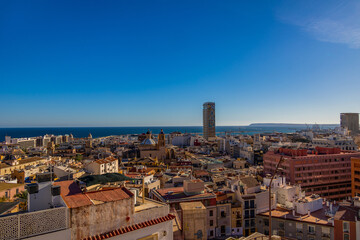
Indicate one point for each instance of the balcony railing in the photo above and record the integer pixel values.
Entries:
(33, 223)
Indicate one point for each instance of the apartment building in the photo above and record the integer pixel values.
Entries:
(192, 191)
(102, 166)
(325, 171)
(347, 221)
(355, 177)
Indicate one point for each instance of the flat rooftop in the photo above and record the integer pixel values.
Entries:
(5, 186)
(192, 205)
(148, 204)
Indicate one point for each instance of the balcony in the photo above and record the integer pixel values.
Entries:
(325, 235)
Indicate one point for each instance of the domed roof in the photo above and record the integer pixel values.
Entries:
(148, 141)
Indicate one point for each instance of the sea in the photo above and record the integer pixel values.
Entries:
(80, 132)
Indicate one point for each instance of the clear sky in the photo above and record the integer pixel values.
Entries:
(154, 63)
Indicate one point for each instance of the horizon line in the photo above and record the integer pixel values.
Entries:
(166, 125)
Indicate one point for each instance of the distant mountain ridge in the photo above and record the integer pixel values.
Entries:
(289, 125)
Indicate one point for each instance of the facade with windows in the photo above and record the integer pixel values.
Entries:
(209, 120)
(347, 221)
(326, 172)
(355, 177)
(249, 210)
(236, 219)
(285, 225)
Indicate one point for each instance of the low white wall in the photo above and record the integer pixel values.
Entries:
(160, 229)
(59, 235)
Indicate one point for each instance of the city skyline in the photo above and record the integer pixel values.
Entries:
(154, 64)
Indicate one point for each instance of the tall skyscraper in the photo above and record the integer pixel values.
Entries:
(350, 121)
(209, 120)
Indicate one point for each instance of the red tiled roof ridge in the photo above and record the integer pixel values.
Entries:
(132, 227)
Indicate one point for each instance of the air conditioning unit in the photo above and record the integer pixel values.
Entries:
(55, 190)
(32, 188)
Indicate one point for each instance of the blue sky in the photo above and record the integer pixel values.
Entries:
(153, 63)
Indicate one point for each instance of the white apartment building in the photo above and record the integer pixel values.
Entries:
(345, 143)
(102, 166)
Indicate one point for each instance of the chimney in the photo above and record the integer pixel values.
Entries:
(331, 207)
(309, 213)
(284, 181)
(293, 212)
(135, 192)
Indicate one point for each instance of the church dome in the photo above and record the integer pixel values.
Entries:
(148, 141)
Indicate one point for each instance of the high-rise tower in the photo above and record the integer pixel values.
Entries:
(209, 120)
(350, 121)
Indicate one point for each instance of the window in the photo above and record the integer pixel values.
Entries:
(223, 214)
(211, 213)
(252, 213)
(346, 237)
(346, 227)
(211, 233)
(266, 222)
(223, 229)
(211, 223)
(281, 225)
(238, 223)
(311, 229)
(252, 223)
(325, 232)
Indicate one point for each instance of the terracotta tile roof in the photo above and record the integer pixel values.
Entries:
(316, 217)
(249, 182)
(177, 194)
(77, 200)
(131, 228)
(109, 195)
(31, 159)
(74, 198)
(201, 173)
(347, 213)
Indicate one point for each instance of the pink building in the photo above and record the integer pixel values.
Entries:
(324, 171)
(8, 190)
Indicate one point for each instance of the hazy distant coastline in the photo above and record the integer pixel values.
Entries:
(289, 125)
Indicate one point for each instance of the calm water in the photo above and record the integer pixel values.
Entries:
(107, 131)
